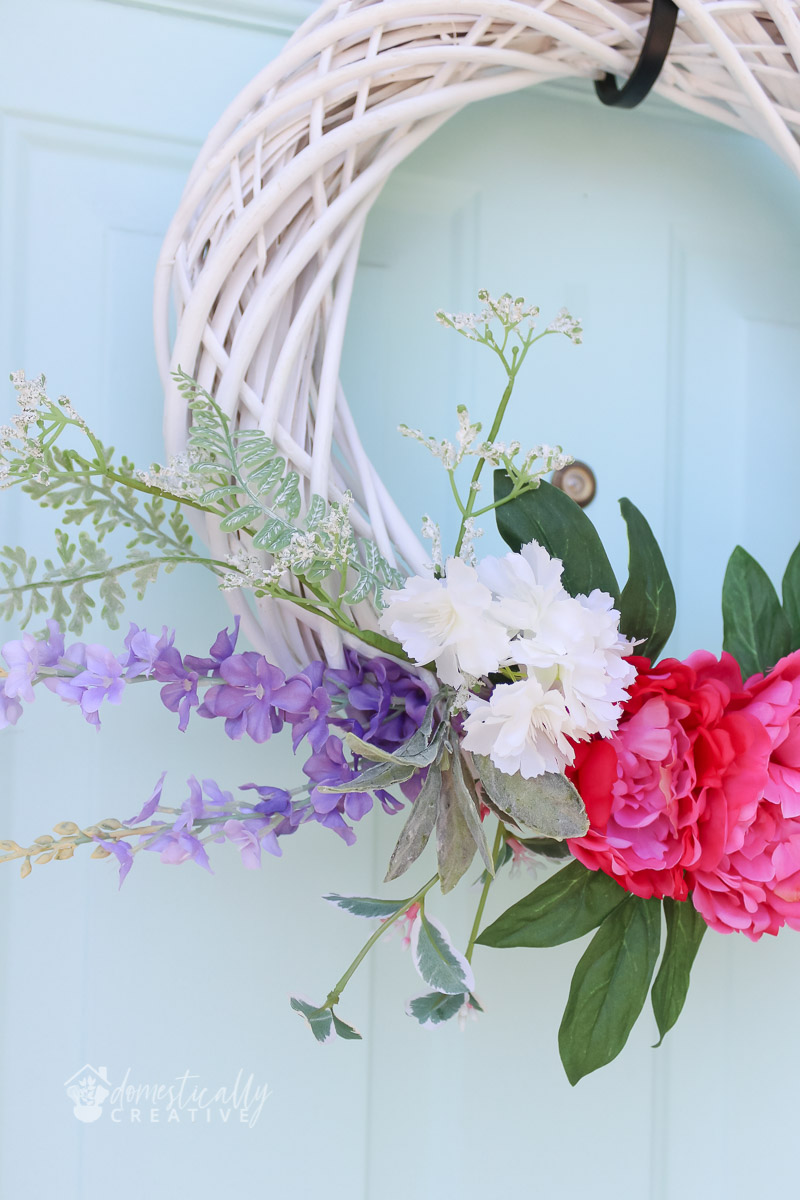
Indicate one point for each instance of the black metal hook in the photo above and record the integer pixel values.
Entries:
(647, 70)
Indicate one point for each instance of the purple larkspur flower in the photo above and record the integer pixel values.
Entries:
(245, 699)
(144, 650)
(179, 693)
(177, 846)
(26, 657)
(223, 648)
(121, 851)
(150, 805)
(384, 703)
(274, 801)
(10, 710)
(306, 704)
(330, 768)
(97, 678)
(249, 836)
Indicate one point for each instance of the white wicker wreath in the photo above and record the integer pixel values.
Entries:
(261, 255)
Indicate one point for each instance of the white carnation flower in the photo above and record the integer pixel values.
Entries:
(454, 621)
(574, 658)
(522, 727)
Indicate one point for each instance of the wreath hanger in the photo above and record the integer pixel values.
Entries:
(658, 39)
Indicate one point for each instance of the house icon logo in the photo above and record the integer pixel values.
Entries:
(88, 1089)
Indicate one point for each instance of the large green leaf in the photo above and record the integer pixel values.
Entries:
(756, 630)
(647, 603)
(567, 905)
(609, 987)
(685, 929)
(552, 518)
(791, 598)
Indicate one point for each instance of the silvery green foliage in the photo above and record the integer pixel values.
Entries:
(92, 491)
(245, 473)
(548, 805)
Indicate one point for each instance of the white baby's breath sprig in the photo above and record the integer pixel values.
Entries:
(432, 532)
(565, 323)
(471, 535)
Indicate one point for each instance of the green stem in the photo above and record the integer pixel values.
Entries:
(476, 924)
(39, 585)
(334, 995)
(476, 474)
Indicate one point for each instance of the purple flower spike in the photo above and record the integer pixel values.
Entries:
(150, 805)
(192, 808)
(245, 699)
(99, 680)
(180, 693)
(144, 650)
(123, 854)
(26, 658)
(10, 710)
(335, 821)
(223, 648)
(306, 704)
(249, 837)
(176, 847)
(273, 800)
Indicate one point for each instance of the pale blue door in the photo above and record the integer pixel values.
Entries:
(678, 243)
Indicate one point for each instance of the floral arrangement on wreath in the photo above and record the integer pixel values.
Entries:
(520, 694)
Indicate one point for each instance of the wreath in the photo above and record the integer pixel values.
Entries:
(523, 692)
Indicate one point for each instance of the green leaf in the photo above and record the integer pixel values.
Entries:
(548, 804)
(647, 603)
(567, 905)
(360, 589)
(685, 930)
(436, 1007)
(791, 598)
(609, 987)
(418, 827)
(317, 1019)
(547, 847)
(344, 1030)
(553, 519)
(240, 517)
(756, 630)
(366, 906)
(436, 958)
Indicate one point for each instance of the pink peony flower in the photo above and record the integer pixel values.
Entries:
(678, 785)
(755, 887)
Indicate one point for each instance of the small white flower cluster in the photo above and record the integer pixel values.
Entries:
(176, 477)
(514, 612)
(568, 325)
(538, 461)
(508, 311)
(433, 533)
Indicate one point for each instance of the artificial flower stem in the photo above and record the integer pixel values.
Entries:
(334, 995)
(487, 883)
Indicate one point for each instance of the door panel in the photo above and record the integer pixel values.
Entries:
(677, 243)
